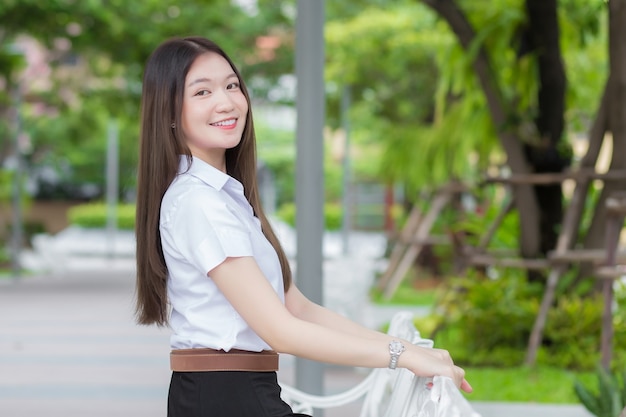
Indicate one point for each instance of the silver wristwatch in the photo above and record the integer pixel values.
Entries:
(395, 350)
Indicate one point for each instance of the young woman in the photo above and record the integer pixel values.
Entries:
(208, 263)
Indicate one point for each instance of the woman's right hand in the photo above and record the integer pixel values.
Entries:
(429, 362)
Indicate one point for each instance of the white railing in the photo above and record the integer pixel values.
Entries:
(392, 393)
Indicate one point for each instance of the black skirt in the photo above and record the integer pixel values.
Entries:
(226, 394)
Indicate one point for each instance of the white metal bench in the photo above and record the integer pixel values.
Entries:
(391, 393)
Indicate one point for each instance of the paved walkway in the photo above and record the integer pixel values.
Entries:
(69, 347)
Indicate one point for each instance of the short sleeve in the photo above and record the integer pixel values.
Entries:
(205, 230)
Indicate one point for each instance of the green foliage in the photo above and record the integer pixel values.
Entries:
(418, 115)
(475, 223)
(82, 135)
(428, 141)
(94, 215)
(6, 178)
(276, 149)
(11, 60)
(97, 52)
(582, 20)
(584, 38)
(619, 323)
(609, 399)
(406, 294)
(441, 151)
(492, 318)
(332, 215)
(287, 213)
(572, 332)
(7, 184)
(488, 321)
(461, 141)
(469, 223)
(390, 103)
(5, 257)
(108, 26)
(539, 384)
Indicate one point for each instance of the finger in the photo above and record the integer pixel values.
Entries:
(465, 386)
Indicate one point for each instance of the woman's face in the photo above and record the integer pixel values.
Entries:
(214, 109)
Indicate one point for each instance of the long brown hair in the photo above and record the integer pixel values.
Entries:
(159, 150)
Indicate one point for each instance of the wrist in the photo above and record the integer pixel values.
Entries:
(396, 348)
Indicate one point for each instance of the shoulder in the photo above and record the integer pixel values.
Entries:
(192, 201)
(190, 190)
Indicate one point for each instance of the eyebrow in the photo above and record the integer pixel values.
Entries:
(204, 79)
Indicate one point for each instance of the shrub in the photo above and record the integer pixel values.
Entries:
(332, 215)
(491, 318)
(94, 215)
(488, 322)
(572, 332)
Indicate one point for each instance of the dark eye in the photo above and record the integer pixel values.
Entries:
(233, 86)
(203, 93)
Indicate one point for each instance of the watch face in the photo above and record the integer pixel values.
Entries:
(396, 347)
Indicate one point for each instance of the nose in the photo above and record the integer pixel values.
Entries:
(224, 102)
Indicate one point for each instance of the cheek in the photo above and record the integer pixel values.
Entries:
(190, 117)
(188, 125)
(243, 103)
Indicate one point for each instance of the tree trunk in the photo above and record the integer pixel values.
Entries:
(617, 118)
(543, 153)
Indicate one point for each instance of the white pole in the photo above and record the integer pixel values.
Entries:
(17, 235)
(112, 185)
(347, 196)
(309, 171)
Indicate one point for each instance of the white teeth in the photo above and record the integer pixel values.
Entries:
(228, 122)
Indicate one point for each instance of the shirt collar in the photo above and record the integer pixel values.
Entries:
(203, 171)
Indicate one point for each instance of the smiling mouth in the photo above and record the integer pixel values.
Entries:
(225, 123)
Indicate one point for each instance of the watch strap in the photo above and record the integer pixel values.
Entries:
(395, 350)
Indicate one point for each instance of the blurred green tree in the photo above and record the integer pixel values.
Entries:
(445, 95)
(95, 51)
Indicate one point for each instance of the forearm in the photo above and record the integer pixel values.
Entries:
(317, 314)
(306, 310)
(337, 344)
(316, 342)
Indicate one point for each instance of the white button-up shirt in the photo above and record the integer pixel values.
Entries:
(205, 218)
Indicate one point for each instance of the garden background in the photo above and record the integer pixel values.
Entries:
(419, 94)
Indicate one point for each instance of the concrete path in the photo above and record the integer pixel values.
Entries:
(69, 347)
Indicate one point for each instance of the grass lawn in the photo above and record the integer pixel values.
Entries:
(406, 295)
(538, 385)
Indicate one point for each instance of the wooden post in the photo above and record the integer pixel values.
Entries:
(407, 233)
(566, 239)
(422, 232)
(615, 211)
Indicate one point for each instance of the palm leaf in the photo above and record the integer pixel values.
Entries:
(587, 398)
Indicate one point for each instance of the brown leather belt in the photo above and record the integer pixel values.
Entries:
(199, 360)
